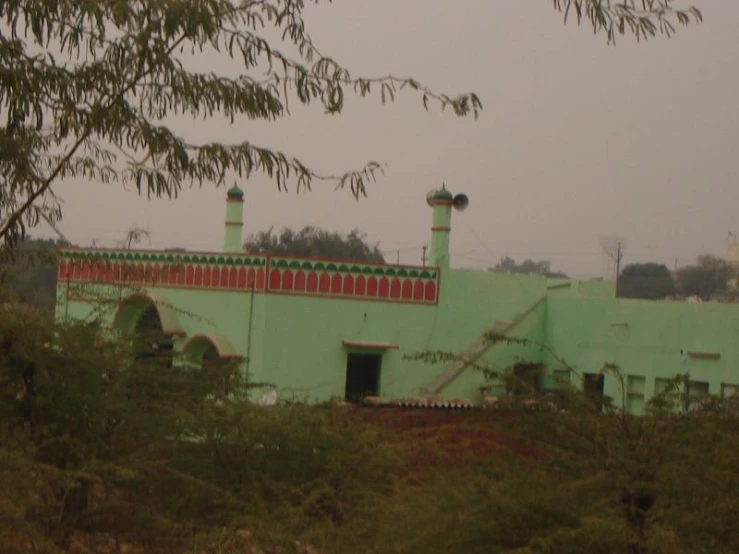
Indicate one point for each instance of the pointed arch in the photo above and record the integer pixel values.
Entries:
(134, 305)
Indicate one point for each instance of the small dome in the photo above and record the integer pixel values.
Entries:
(443, 194)
(235, 192)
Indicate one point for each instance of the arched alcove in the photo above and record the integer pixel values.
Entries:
(132, 308)
(151, 322)
(214, 354)
(152, 340)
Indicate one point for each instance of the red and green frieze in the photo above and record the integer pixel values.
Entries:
(252, 273)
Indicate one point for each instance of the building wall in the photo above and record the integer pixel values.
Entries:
(303, 347)
(656, 340)
(291, 336)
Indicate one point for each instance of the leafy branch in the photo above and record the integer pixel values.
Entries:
(85, 82)
(642, 18)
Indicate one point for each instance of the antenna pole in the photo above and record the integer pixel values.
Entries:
(618, 265)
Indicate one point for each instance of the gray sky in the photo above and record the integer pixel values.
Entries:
(577, 140)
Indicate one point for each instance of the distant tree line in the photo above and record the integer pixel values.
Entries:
(709, 278)
(314, 242)
(527, 267)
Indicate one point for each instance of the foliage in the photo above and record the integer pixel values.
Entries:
(100, 445)
(312, 241)
(642, 18)
(605, 481)
(707, 278)
(90, 89)
(97, 441)
(649, 280)
(527, 267)
(30, 271)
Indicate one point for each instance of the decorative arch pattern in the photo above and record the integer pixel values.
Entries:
(249, 273)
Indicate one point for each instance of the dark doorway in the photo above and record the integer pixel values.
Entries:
(154, 343)
(362, 376)
(593, 384)
(526, 379)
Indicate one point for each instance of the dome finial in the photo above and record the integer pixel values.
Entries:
(235, 192)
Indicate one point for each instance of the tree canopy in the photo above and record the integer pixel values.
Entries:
(648, 280)
(30, 271)
(90, 91)
(591, 476)
(705, 279)
(99, 440)
(314, 242)
(527, 267)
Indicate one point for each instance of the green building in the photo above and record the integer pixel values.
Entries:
(315, 329)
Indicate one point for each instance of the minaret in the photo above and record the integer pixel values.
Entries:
(441, 205)
(234, 220)
(442, 201)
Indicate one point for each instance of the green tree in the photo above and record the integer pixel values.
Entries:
(649, 280)
(90, 85)
(90, 90)
(707, 278)
(312, 241)
(30, 271)
(583, 475)
(527, 267)
(97, 441)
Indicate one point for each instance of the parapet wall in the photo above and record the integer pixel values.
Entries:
(251, 273)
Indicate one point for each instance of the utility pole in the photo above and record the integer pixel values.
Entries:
(619, 255)
(614, 250)
(423, 259)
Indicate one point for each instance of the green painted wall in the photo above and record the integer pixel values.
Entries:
(302, 337)
(295, 343)
(644, 338)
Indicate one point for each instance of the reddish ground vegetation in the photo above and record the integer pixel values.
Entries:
(440, 439)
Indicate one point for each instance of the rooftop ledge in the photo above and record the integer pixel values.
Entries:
(245, 258)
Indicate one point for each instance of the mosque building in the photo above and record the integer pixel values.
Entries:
(320, 329)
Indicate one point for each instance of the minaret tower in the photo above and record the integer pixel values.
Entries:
(234, 220)
(442, 201)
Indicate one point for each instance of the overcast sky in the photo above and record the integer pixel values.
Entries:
(577, 140)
